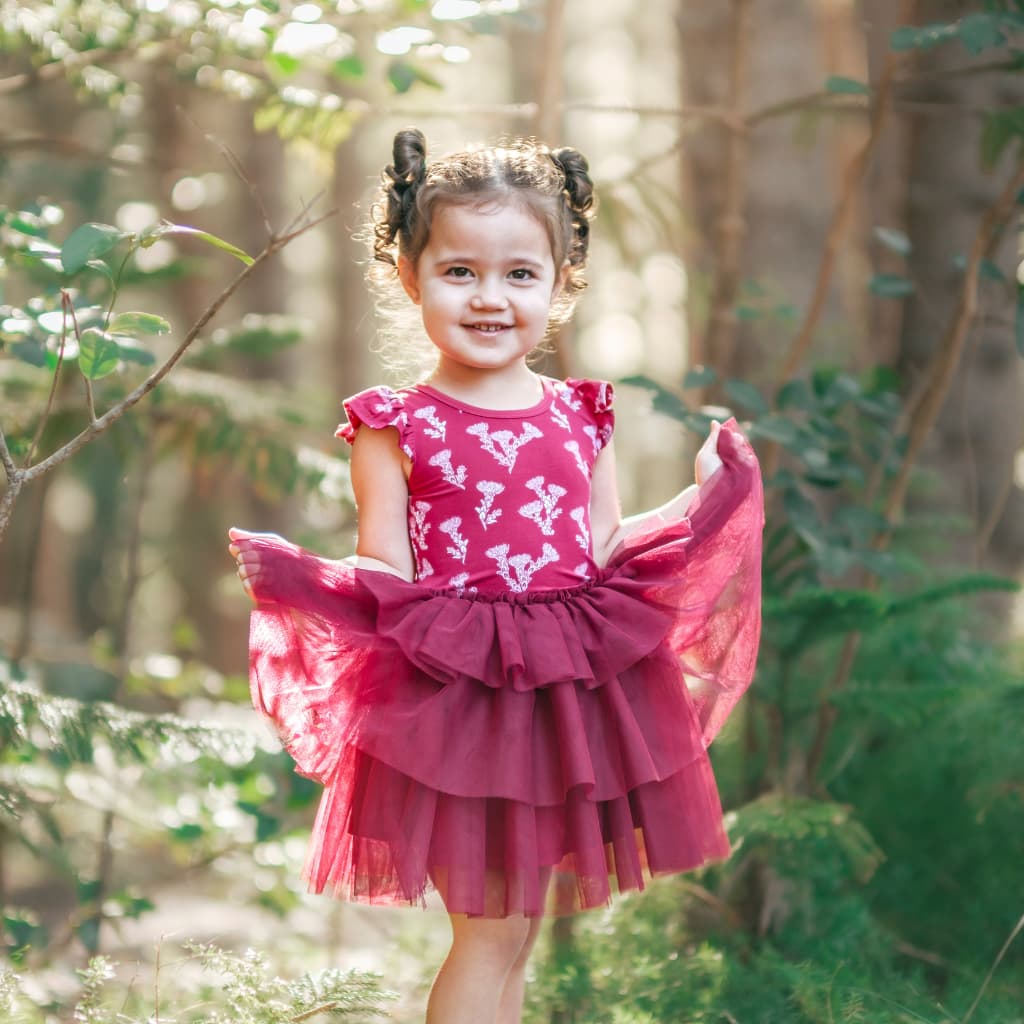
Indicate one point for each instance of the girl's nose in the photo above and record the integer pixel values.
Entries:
(488, 295)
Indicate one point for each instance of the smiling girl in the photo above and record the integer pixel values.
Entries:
(509, 680)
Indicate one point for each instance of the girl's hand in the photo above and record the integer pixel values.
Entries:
(708, 461)
(247, 558)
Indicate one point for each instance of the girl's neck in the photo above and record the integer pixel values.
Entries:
(513, 387)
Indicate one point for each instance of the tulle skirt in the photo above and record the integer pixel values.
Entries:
(478, 744)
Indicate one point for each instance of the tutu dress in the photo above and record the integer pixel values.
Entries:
(517, 709)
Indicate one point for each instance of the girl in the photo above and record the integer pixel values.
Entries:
(508, 680)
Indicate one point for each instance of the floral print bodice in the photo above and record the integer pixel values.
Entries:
(499, 500)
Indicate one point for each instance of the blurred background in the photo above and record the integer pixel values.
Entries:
(809, 216)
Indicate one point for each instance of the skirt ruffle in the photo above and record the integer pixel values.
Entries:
(478, 743)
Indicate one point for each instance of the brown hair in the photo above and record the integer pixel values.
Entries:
(553, 184)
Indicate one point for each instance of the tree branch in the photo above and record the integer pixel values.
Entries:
(720, 343)
(852, 179)
(115, 412)
(18, 477)
(922, 417)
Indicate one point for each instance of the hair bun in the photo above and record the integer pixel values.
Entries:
(573, 164)
(409, 152)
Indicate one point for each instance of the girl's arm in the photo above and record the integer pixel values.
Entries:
(607, 526)
(379, 482)
(378, 469)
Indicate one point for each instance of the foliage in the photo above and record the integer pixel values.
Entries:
(300, 70)
(245, 992)
(873, 883)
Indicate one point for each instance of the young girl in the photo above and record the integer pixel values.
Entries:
(508, 681)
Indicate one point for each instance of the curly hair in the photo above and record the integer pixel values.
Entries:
(552, 184)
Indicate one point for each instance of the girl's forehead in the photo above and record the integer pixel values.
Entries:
(492, 218)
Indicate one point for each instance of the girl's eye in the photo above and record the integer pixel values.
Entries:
(458, 271)
(521, 274)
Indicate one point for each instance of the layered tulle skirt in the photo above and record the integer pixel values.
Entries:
(479, 744)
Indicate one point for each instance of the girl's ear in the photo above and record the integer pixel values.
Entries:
(407, 275)
(560, 278)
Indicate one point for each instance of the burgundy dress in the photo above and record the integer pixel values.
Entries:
(517, 708)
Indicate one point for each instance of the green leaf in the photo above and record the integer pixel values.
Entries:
(746, 395)
(796, 394)
(220, 243)
(284, 63)
(349, 67)
(910, 37)
(846, 86)
(891, 286)
(87, 242)
(980, 32)
(1020, 320)
(699, 377)
(139, 323)
(747, 314)
(894, 240)
(98, 354)
(663, 401)
(776, 428)
(998, 131)
(403, 76)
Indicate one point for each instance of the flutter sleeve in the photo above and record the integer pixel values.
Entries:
(377, 408)
(596, 400)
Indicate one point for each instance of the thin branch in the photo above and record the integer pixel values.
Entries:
(17, 478)
(720, 341)
(115, 412)
(992, 970)
(995, 515)
(65, 300)
(940, 377)
(852, 179)
(922, 416)
(236, 165)
(5, 457)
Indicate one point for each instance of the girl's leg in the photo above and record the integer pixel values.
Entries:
(510, 1007)
(468, 988)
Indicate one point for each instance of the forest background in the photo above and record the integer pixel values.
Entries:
(809, 215)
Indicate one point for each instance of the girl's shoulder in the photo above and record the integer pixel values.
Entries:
(597, 396)
(378, 407)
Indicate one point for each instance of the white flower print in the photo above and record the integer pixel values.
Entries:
(459, 545)
(560, 419)
(390, 406)
(458, 583)
(579, 517)
(573, 447)
(418, 525)
(581, 571)
(591, 431)
(565, 393)
(423, 567)
(523, 565)
(436, 427)
(456, 476)
(490, 489)
(544, 511)
(508, 443)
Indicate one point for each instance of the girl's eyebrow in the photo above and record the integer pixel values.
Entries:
(516, 260)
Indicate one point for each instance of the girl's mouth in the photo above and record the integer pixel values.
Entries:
(488, 328)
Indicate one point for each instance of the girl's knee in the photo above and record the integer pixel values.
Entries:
(498, 939)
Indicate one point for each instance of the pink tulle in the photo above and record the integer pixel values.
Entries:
(478, 743)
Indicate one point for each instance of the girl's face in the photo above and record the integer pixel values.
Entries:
(484, 282)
